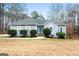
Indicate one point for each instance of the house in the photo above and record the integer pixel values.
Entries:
(39, 25)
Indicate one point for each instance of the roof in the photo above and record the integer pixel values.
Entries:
(40, 21)
(27, 21)
(34, 21)
(56, 22)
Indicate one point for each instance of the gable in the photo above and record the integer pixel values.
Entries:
(50, 22)
(55, 22)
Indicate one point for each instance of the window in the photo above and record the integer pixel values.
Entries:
(28, 28)
(60, 29)
(51, 29)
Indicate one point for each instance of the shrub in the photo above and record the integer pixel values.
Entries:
(33, 33)
(60, 35)
(12, 33)
(46, 32)
(23, 33)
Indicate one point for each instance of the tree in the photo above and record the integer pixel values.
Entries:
(34, 14)
(63, 12)
(57, 12)
(78, 27)
(70, 29)
(73, 12)
(15, 10)
(1, 18)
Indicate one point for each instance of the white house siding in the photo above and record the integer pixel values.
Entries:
(13, 27)
(18, 28)
(30, 28)
(54, 28)
(63, 29)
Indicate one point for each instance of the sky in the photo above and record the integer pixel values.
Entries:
(41, 8)
(44, 8)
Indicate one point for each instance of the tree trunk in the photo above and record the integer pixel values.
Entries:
(1, 18)
(78, 30)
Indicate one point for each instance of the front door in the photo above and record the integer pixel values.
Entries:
(40, 29)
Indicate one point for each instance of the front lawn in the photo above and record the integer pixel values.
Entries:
(46, 46)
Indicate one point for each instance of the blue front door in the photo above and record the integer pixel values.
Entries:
(40, 29)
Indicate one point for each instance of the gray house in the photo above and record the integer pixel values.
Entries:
(39, 25)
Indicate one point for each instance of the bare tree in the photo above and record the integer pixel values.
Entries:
(14, 12)
(1, 17)
(56, 12)
(63, 12)
(74, 13)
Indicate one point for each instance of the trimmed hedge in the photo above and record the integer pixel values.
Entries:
(61, 35)
(33, 33)
(46, 32)
(23, 33)
(12, 33)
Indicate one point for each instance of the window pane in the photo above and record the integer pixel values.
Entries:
(51, 29)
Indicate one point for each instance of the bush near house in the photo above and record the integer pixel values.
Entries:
(12, 33)
(33, 33)
(46, 32)
(61, 35)
(23, 33)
